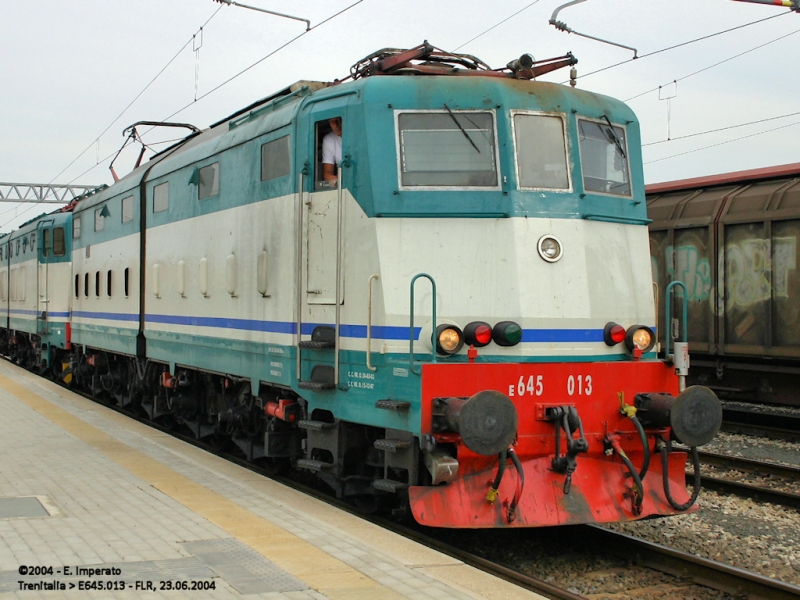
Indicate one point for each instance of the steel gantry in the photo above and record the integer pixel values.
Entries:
(45, 193)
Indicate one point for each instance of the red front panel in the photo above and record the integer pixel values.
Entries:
(591, 387)
(601, 488)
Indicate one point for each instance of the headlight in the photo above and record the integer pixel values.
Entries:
(449, 339)
(639, 337)
(550, 248)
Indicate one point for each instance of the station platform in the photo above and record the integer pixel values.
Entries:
(96, 505)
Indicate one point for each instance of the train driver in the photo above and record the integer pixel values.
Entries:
(332, 150)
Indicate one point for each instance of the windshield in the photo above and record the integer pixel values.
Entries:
(541, 152)
(454, 149)
(604, 158)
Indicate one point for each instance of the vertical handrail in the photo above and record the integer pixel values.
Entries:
(655, 301)
(339, 196)
(299, 269)
(668, 315)
(411, 326)
(369, 323)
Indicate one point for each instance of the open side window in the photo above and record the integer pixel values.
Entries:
(328, 156)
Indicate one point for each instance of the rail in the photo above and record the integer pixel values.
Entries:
(411, 325)
(702, 571)
(758, 468)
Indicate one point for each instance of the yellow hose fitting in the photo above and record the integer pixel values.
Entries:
(625, 409)
(491, 495)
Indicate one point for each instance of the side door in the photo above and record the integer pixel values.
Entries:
(44, 252)
(325, 210)
(320, 246)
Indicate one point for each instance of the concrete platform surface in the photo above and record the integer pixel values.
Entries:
(96, 505)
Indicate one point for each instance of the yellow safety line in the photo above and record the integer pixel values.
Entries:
(308, 563)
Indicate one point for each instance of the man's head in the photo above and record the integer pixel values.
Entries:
(336, 125)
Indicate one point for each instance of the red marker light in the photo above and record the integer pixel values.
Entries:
(478, 334)
(613, 334)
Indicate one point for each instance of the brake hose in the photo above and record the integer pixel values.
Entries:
(630, 412)
(491, 495)
(512, 509)
(645, 447)
(639, 491)
(665, 476)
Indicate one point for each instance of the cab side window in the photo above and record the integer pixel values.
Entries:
(328, 152)
(59, 245)
(275, 159)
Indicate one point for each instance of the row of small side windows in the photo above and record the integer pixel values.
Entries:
(275, 162)
(100, 215)
(58, 247)
(98, 283)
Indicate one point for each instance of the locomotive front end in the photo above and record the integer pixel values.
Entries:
(587, 443)
(542, 397)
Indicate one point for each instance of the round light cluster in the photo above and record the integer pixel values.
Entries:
(450, 338)
(638, 337)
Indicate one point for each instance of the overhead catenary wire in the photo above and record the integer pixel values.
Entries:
(690, 135)
(717, 64)
(744, 137)
(321, 23)
(495, 25)
(243, 71)
(262, 59)
(139, 95)
(686, 43)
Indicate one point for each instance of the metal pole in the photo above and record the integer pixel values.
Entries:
(269, 12)
(793, 4)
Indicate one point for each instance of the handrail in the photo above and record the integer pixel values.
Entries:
(338, 299)
(369, 323)
(615, 219)
(338, 94)
(668, 315)
(655, 301)
(411, 326)
(299, 269)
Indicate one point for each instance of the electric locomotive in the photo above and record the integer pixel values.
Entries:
(35, 272)
(472, 293)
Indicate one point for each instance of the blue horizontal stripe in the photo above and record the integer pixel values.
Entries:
(348, 331)
(224, 323)
(20, 311)
(562, 335)
(104, 315)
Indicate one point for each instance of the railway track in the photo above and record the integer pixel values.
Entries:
(761, 423)
(684, 575)
(707, 573)
(781, 475)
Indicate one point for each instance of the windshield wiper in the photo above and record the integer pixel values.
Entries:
(614, 138)
(464, 131)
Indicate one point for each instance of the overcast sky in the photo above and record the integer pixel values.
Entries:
(70, 68)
